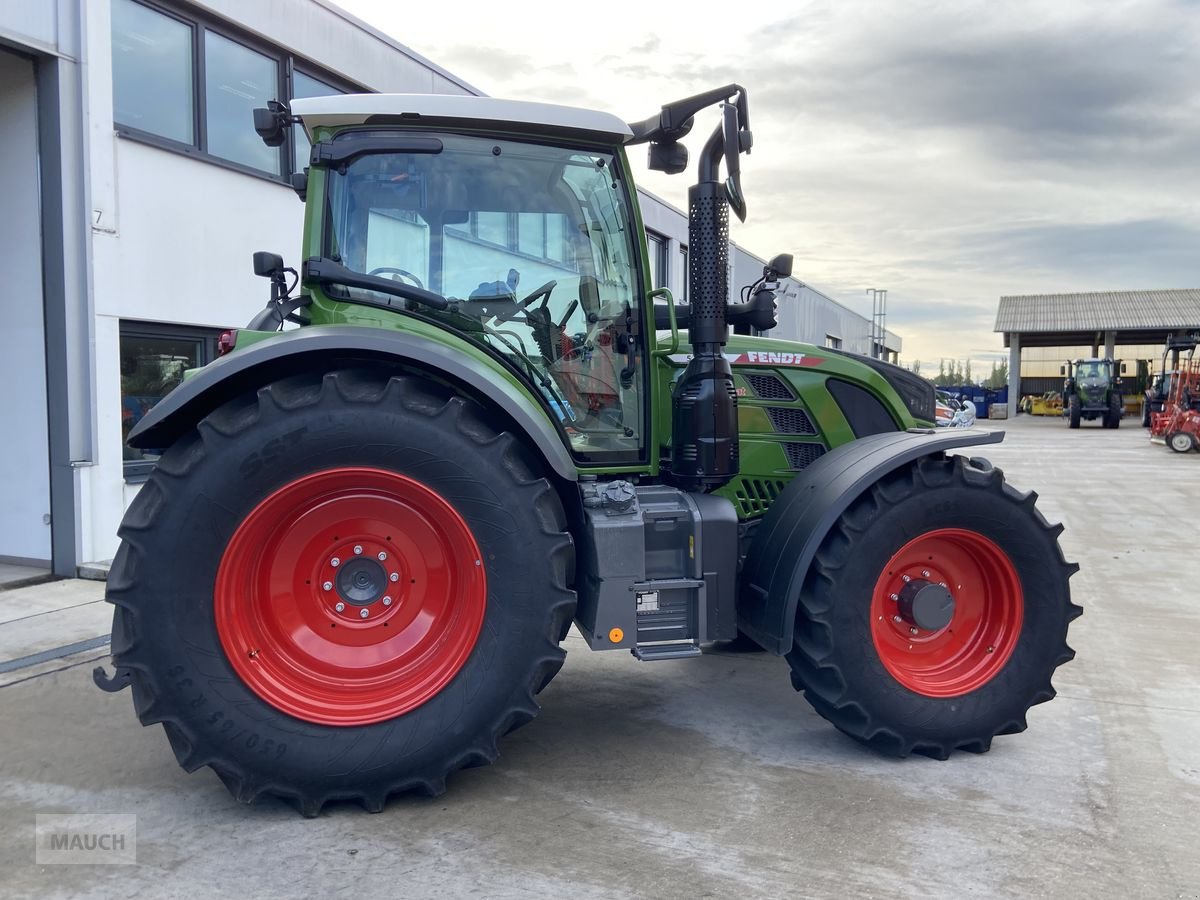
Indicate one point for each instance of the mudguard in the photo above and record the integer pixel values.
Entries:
(333, 346)
(797, 522)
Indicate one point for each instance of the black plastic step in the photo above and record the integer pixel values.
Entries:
(673, 650)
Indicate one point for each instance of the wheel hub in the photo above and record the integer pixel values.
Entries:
(350, 596)
(946, 612)
(925, 604)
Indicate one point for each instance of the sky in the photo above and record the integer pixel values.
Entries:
(951, 152)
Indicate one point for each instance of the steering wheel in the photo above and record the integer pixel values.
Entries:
(392, 270)
(521, 305)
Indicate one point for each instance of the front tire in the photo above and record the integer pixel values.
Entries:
(1181, 441)
(1073, 411)
(888, 674)
(1116, 409)
(343, 587)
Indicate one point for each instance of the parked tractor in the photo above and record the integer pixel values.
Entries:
(379, 512)
(1092, 390)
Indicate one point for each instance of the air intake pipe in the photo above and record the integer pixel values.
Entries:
(704, 432)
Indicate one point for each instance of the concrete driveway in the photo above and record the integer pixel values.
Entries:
(707, 777)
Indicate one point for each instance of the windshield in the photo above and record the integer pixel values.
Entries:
(534, 247)
(1091, 369)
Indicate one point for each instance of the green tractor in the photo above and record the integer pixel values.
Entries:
(1092, 390)
(377, 514)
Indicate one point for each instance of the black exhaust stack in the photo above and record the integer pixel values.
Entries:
(704, 432)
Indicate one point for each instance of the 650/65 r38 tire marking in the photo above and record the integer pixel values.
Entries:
(350, 596)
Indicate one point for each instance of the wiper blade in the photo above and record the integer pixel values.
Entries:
(323, 270)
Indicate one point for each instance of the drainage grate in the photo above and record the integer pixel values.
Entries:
(790, 420)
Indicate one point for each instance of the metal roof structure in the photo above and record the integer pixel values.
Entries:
(1137, 317)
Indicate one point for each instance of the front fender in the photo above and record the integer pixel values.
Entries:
(326, 347)
(797, 522)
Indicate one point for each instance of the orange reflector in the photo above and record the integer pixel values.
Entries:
(616, 635)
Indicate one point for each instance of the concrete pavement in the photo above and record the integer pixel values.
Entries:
(712, 777)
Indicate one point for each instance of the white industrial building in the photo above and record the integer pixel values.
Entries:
(135, 191)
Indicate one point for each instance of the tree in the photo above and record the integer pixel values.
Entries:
(999, 376)
(916, 367)
(967, 379)
(941, 376)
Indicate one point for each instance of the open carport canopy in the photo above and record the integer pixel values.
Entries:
(1067, 320)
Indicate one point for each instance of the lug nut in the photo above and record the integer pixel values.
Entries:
(905, 579)
(357, 549)
(382, 556)
(363, 614)
(340, 607)
(335, 562)
(912, 631)
(327, 586)
(925, 573)
(897, 619)
(893, 596)
(387, 601)
(394, 577)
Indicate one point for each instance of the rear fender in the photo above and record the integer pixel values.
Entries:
(798, 521)
(323, 348)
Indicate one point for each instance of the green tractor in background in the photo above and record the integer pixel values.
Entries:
(368, 534)
(1092, 390)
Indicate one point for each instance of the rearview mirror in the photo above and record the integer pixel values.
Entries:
(267, 264)
(1122, 368)
(668, 156)
(780, 266)
(1062, 370)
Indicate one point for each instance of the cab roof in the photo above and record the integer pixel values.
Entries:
(460, 110)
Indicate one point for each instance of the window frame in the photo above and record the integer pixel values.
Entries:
(286, 64)
(832, 341)
(660, 268)
(137, 471)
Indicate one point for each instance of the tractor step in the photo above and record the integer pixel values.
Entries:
(672, 650)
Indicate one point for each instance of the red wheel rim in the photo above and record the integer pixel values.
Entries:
(398, 559)
(988, 607)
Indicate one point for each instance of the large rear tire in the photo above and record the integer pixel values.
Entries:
(343, 587)
(882, 653)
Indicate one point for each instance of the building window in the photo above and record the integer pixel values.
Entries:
(657, 245)
(153, 360)
(152, 72)
(833, 343)
(683, 253)
(188, 82)
(306, 86)
(236, 81)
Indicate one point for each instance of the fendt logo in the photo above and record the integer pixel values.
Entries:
(762, 357)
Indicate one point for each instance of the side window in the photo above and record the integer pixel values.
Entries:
(657, 246)
(305, 86)
(153, 360)
(236, 81)
(152, 72)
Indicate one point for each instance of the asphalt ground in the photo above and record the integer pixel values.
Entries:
(708, 777)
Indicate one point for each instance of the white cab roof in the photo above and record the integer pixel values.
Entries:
(442, 109)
